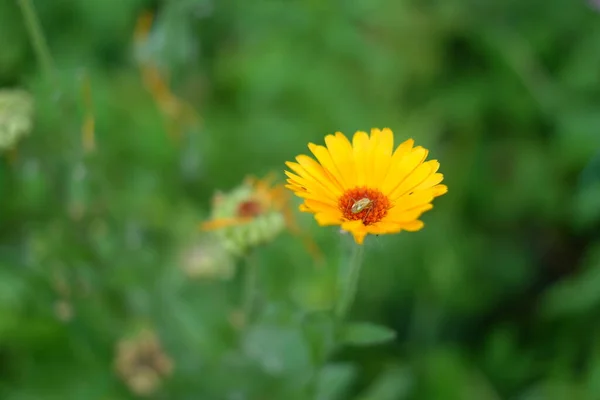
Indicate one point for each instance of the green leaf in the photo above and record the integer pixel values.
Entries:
(366, 333)
(334, 381)
(395, 383)
(278, 349)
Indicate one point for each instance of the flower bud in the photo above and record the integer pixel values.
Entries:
(248, 216)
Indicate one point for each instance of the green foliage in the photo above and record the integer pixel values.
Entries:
(365, 333)
(497, 297)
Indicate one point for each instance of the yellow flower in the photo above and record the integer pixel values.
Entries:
(364, 185)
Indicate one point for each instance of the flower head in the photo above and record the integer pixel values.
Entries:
(248, 216)
(366, 186)
(142, 363)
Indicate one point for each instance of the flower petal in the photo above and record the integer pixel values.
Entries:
(361, 147)
(416, 177)
(319, 206)
(318, 173)
(340, 150)
(410, 201)
(303, 208)
(383, 145)
(413, 226)
(325, 159)
(308, 185)
(431, 181)
(327, 219)
(407, 215)
(311, 195)
(402, 164)
(357, 229)
(383, 227)
(311, 185)
(439, 190)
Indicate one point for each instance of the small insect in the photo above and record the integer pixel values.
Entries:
(360, 205)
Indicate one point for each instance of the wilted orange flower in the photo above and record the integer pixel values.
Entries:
(248, 202)
(364, 185)
(252, 214)
(142, 363)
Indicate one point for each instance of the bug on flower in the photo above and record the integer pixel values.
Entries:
(361, 204)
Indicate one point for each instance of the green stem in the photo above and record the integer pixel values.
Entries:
(36, 35)
(348, 278)
(347, 285)
(250, 286)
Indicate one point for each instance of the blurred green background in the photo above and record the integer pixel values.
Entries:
(497, 298)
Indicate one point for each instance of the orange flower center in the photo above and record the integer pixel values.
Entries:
(362, 203)
(249, 209)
